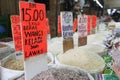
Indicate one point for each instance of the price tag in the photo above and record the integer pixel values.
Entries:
(33, 18)
(15, 19)
(16, 32)
(82, 30)
(59, 25)
(82, 26)
(33, 23)
(75, 24)
(89, 25)
(94, 21)
(67, 24)
(67, 30)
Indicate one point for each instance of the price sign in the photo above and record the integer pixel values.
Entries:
(16, 32)
(33, 27)
(75, 24)
(67, 24)
(82, 26)
(89, 25)
(15, 19)
(33, 22)
(59, 25)
(94, 21)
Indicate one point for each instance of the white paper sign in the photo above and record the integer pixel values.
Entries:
(67, 24)
(82, 26)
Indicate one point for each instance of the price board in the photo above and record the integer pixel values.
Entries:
(75, 24)
(33, 22)
(89, 25)
(67, 24)
(82, 30)
(59, 25)
(94, 21)
(33, 27)
(82, 25)
(67, 30)
(16, 32)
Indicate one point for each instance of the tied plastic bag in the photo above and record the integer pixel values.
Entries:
(115, 54)
(8, 73)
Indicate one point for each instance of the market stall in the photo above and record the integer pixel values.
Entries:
(89, 51)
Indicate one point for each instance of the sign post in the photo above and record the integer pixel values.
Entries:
(67, 30)
(33, 23)
(82, 30)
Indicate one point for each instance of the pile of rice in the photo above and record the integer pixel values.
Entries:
(84, 59)
(55, 48)
(14, 64)
(59, 74)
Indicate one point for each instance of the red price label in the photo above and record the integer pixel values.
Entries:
(15, 19)
(59, 25)
(16, 32)
(75, 24)
(89, 26)
(94, 21)
(33, 23)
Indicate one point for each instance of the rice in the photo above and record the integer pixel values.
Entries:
(59, 74)
(84, 59)
(14, 64)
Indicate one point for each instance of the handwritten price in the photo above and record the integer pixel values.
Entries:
(35, 16)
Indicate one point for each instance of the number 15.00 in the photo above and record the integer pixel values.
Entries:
(35, 15)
